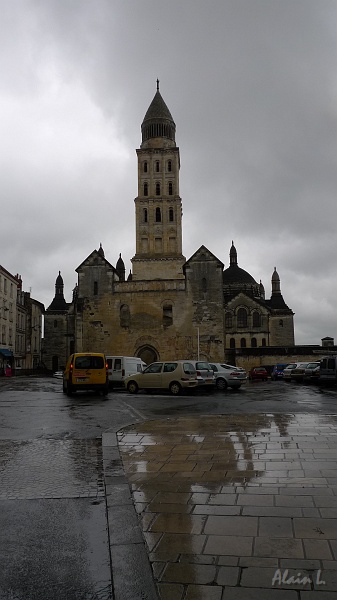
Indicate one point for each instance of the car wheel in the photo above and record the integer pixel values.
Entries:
(69, 390)
(105, 390)
(132, 387)
(175, 388)
(221, 383)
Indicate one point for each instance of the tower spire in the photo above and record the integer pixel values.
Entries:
(157, 85)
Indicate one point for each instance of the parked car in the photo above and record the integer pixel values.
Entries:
(297, 374)
(277, 372)
(228, 376)
(287, 372)
(204, 371)
(258, 373)
(311, 373)
(86, 371)
(174, 376)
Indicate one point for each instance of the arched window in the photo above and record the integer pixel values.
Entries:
(157, 166)
(254, 343)
(256, 319)
(243, 343)
(263, 343)
(242, 317)
(281, 323)
(232, 343)
(169, 166)
(124, 315)
(95, 288)
(157, 189)
(228, 320)
(167, 315)
(158, 215)
(145, 215)
(146, 189)
(171, 215)
(170, 188)
(145, 167)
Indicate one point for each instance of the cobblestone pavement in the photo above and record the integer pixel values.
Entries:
(237, 507)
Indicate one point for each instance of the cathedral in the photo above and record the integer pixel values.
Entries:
(167, 307)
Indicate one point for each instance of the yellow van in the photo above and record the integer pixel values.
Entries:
(86, 371)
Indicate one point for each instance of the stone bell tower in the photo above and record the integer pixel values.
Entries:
(158, 204)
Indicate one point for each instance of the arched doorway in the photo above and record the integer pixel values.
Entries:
(148, 354)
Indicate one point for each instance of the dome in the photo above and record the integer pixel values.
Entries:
(158, 121)
(236, 280)
(234, 275)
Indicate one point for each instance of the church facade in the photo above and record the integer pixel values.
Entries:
(168, 307)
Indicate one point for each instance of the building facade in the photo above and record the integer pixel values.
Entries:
(20, 325)
(168, 307)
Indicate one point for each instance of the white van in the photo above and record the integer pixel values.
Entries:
(328, 369)
(120, 367)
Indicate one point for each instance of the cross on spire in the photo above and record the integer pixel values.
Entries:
(157, 85)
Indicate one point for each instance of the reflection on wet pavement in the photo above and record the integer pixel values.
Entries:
(227, 501)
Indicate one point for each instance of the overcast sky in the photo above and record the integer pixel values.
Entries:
(252, 88)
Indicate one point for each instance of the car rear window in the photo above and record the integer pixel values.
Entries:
(189, 369)
(203, 365)
(89, 362)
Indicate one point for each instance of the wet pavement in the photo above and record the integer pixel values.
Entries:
(237, 507)
(54, 535)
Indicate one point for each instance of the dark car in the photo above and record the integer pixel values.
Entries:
(277, 372)
(258, 373)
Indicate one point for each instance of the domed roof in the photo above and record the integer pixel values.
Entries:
(158, 121)
(234, 274)
(236, 280)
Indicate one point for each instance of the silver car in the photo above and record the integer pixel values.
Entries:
(228, 376)
(205, 375)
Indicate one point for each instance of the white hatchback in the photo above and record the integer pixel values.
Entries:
(173, 375)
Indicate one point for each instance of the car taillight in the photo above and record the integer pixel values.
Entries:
(71, 368)
(106, 366)
(198, 373)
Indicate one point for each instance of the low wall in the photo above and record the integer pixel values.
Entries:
(247, 358)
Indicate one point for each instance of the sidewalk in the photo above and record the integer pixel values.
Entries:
(231, 508)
